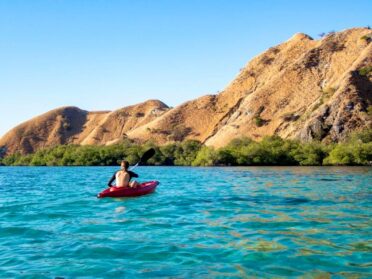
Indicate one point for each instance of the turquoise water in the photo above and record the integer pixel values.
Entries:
(200, 223)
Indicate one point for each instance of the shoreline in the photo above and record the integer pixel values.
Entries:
(200, 167)
(356, 150)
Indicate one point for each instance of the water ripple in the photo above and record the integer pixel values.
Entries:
(200, 223)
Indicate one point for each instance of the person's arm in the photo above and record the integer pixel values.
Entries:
(112, 180)
(132, 174)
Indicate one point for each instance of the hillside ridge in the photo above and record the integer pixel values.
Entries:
(302, 88)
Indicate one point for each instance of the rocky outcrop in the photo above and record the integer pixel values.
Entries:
(347, 108)
(303, 89)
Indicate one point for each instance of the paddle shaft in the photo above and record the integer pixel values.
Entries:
(147, 155)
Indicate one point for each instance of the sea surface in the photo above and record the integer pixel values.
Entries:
(263, 222)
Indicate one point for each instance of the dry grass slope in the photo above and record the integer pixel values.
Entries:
(302, 88)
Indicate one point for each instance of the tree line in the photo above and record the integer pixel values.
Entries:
(272, 150)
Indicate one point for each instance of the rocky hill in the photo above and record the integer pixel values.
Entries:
(71, 125)
(303, 88)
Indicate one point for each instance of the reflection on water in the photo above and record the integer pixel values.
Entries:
(200, 223)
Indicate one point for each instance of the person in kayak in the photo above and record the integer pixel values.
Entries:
(123, 176)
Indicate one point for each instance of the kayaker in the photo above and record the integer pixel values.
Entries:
(123, 176)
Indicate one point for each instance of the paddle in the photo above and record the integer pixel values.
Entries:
(147, 155)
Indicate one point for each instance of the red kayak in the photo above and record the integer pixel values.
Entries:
(142, 189)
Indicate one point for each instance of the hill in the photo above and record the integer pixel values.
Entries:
(303, 88)
(71, 125)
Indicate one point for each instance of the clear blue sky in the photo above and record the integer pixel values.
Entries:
(108, 54)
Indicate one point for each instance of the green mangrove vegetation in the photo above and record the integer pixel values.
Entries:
(356, 150)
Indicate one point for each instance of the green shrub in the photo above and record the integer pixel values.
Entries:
(355, 150)
(367, 38)
(225, 157)
(168, 152)
(363, 136)
(11, 159)
(309, 154)
(186, 152)
(258, 121)
(206, 156)
(350, 154)
(365, 71)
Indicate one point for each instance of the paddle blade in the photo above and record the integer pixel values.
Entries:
(147, 155)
